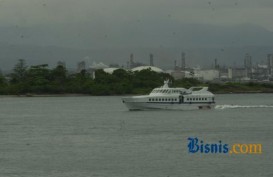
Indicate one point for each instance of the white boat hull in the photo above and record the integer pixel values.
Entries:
(142, 105)
(172, 99)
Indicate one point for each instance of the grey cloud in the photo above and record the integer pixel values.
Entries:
(134, 24)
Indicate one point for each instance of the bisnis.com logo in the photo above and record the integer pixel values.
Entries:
(196, 146)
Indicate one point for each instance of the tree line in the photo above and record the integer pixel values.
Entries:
(40, 79)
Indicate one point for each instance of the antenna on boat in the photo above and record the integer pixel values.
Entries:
(171, 82)
(166, 84)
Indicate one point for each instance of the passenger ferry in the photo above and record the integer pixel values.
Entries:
(172, 98)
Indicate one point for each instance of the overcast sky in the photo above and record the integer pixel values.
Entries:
(98, 24)
(219, 12)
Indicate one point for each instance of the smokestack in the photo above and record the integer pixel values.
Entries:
(248, 65)
(269, 63)
(151, 60)
(183, 61)
(215, 63)
(81, 66)
(131, 60)
(174, 64)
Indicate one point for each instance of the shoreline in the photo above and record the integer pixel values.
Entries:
(90, 95)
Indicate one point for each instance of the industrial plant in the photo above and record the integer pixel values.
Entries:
(258, 72)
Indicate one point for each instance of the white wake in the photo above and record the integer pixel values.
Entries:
(242, 106)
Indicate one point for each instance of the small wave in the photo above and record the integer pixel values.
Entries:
(242, 106)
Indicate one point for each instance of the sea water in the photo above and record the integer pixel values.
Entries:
(98, 136)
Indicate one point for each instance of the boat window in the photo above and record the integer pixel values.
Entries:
(156, 99)
(149, 99)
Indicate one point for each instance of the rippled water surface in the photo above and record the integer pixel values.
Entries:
(97, 136)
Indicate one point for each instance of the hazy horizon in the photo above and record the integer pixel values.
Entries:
(47, 31)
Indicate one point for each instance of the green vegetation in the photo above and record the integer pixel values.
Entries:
(40, 79)
(249, 87)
